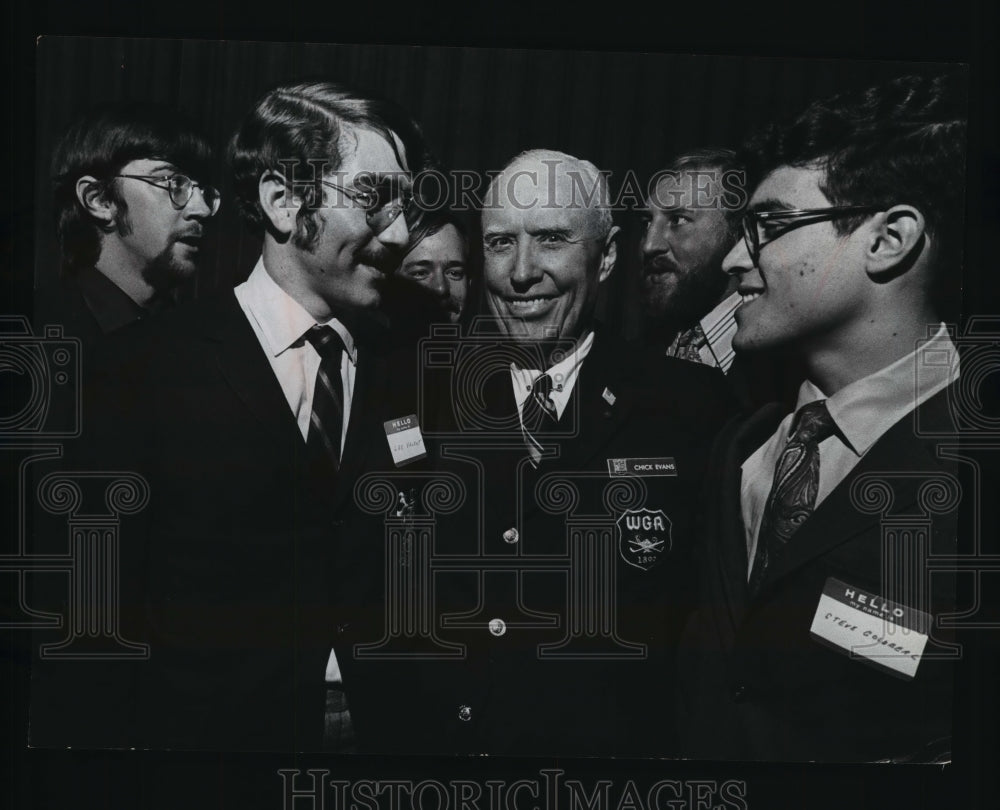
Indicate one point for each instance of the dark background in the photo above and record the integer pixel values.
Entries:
(478, 107)
(912, 31)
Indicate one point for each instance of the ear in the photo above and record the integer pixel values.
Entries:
(894, 236)
(90, 193)
(279, 204)
(610, 254)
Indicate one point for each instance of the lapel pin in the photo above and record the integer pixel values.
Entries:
(609, 397)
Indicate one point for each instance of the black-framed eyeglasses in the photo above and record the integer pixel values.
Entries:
(760, 228)
(181, 188)
(383, 201)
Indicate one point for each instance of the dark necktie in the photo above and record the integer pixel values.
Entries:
(793, 493)
(538, 415)
(327, 420)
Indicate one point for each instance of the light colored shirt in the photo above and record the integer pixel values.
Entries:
(715, 343)
(862, 411)
(563, 374)
(280, 323)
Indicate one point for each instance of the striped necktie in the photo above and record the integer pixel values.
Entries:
(538, 415)
(327, 420)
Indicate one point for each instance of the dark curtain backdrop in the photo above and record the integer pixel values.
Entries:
(478, 108)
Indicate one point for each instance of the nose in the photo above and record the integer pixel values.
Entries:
(197, 207)
(438, 284)
(653, 241)
(738, 259)
(397, 234)
(525, 272)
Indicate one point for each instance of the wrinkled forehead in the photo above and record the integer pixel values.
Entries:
(546, 192)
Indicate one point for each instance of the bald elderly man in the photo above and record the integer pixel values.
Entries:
(563, 575)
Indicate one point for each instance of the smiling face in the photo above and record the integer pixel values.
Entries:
(809, 289)
(437, 263)
(154, 237)
(544, 253)
(685, 238)
(349, 262)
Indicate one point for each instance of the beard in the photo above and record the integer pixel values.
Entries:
(676, 300)
(166, 271)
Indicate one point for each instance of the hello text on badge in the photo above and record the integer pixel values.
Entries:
(647, 467)
(888, 635)
(406, 443)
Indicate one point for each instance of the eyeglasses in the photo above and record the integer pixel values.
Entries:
(382, 201)
(181, 188)
(760, 228)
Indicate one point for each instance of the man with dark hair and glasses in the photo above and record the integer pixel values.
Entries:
(817, 636)
(132, 197)
(251, 416)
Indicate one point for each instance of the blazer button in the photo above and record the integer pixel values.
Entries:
(465, 713)
(498, 627)
(739, 693)
(511, 536)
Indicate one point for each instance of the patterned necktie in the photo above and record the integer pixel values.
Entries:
(687, 344)
(539, 416)
(793, 493)
(327, 420)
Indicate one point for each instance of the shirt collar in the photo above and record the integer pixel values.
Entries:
(283, 320)
(567, 370)
(864, 410)
(110, 304)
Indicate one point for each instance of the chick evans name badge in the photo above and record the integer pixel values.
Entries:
(405, 440)
(642, 466)
(888, 635)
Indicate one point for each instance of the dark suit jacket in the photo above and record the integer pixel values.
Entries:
(594, 679)
(231, 574)
(755, 684)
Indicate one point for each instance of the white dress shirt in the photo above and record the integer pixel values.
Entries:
(280, 323)
(862, 411)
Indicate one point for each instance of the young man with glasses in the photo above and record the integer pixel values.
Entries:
(816, 638)
(251, 415)
(131, 202)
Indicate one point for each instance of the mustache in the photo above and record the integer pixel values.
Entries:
(382, 258)
(658, 264)
(191, 233)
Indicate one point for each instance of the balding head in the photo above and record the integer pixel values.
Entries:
(548, 244)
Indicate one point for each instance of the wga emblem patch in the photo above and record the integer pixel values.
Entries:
(643, 537)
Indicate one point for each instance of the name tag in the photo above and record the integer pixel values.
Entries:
(406, 443)
(887, 635)
(642, 466)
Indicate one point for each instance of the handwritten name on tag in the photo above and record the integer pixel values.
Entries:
(887, 635)
(665, 466)
(406, 443)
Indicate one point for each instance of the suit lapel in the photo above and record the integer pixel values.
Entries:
(737, 443)
(601, 401)
(363, 430)
(838, 519)
(243, 364)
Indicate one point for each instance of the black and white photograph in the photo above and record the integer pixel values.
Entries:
(406, 423)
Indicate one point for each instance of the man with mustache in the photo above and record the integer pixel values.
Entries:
(688, 226)
(580, 456)
(250, 415)
(131, 199)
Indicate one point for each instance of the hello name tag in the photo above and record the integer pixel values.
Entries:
(887, 635)
(406, 443)
(665, 466)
